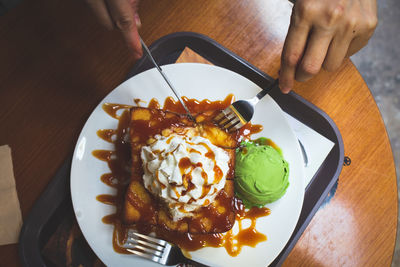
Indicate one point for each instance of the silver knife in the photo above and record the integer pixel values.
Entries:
(148, 53)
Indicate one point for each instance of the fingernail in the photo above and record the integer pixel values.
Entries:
(137, 20)
(285, 90)
(137, 55)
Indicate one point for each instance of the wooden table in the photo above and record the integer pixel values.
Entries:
(57, 63)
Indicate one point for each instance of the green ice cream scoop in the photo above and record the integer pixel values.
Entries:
(261, 174)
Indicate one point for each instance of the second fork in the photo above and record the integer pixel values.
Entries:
(241, 112)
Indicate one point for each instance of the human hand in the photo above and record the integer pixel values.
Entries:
(122, 15)
(321, 34)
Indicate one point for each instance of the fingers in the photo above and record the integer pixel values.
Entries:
(125, 18)
(121, 14)
(100, 9)
(355, 45)
(321, 34)
(291, 55)
(336, 53)
(364, 33)
(135, 7)
(135, 41)
(314, 55)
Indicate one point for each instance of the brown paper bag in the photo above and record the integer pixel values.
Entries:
(10, 211)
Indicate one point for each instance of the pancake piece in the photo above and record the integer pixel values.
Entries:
(153, 204)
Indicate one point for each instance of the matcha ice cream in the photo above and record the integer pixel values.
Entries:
(261, 173)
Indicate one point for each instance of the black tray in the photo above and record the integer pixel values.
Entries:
(52, 217)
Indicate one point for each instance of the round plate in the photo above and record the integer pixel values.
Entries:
(197, 81)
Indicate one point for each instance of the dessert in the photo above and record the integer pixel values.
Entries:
(178, 169)
(181, 175)
(261, 173)
(139, 208)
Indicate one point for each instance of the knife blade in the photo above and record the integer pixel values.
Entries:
(150, 56)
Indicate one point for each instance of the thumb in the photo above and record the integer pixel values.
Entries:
(137, 20)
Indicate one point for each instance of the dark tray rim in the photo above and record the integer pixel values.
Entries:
(166, 50)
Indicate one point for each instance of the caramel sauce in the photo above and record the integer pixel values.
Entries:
(106, 134)
(210, 154)
(192, 150)
(122, 172)
(196, 106)
(176, 192)
(109, 219)
(104, 155)
(206, 189)
(107, 199)
(232, 242)
(269, 142)
(218, 173)
(154, 104)
(184, 164)
(189, 188)
(138, 101)
(247, 130)
(245, 236)
(112, 109)
(217, 170)
(109, 179)
(169, 140)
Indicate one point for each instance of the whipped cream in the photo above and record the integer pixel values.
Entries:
(187, 172)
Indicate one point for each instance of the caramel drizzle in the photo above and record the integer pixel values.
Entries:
(119, 179)
(112, 109)
(217, 170)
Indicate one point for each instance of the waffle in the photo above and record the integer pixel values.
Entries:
(142, 207)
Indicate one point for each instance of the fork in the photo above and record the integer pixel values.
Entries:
(240, 112)
(157, 250)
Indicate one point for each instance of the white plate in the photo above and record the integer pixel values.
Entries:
(194, 81)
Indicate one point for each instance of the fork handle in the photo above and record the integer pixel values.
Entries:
(265, 91)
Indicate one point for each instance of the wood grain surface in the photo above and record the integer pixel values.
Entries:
(57, 63)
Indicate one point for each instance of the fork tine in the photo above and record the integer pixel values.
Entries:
(141, 254)
(226, 122)
(230, 119)
(231, 122)
(144, 249)
(148, 247)
(234, 125)
(134, 242)
(149, 238)
(220, 116)
(227, 118)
